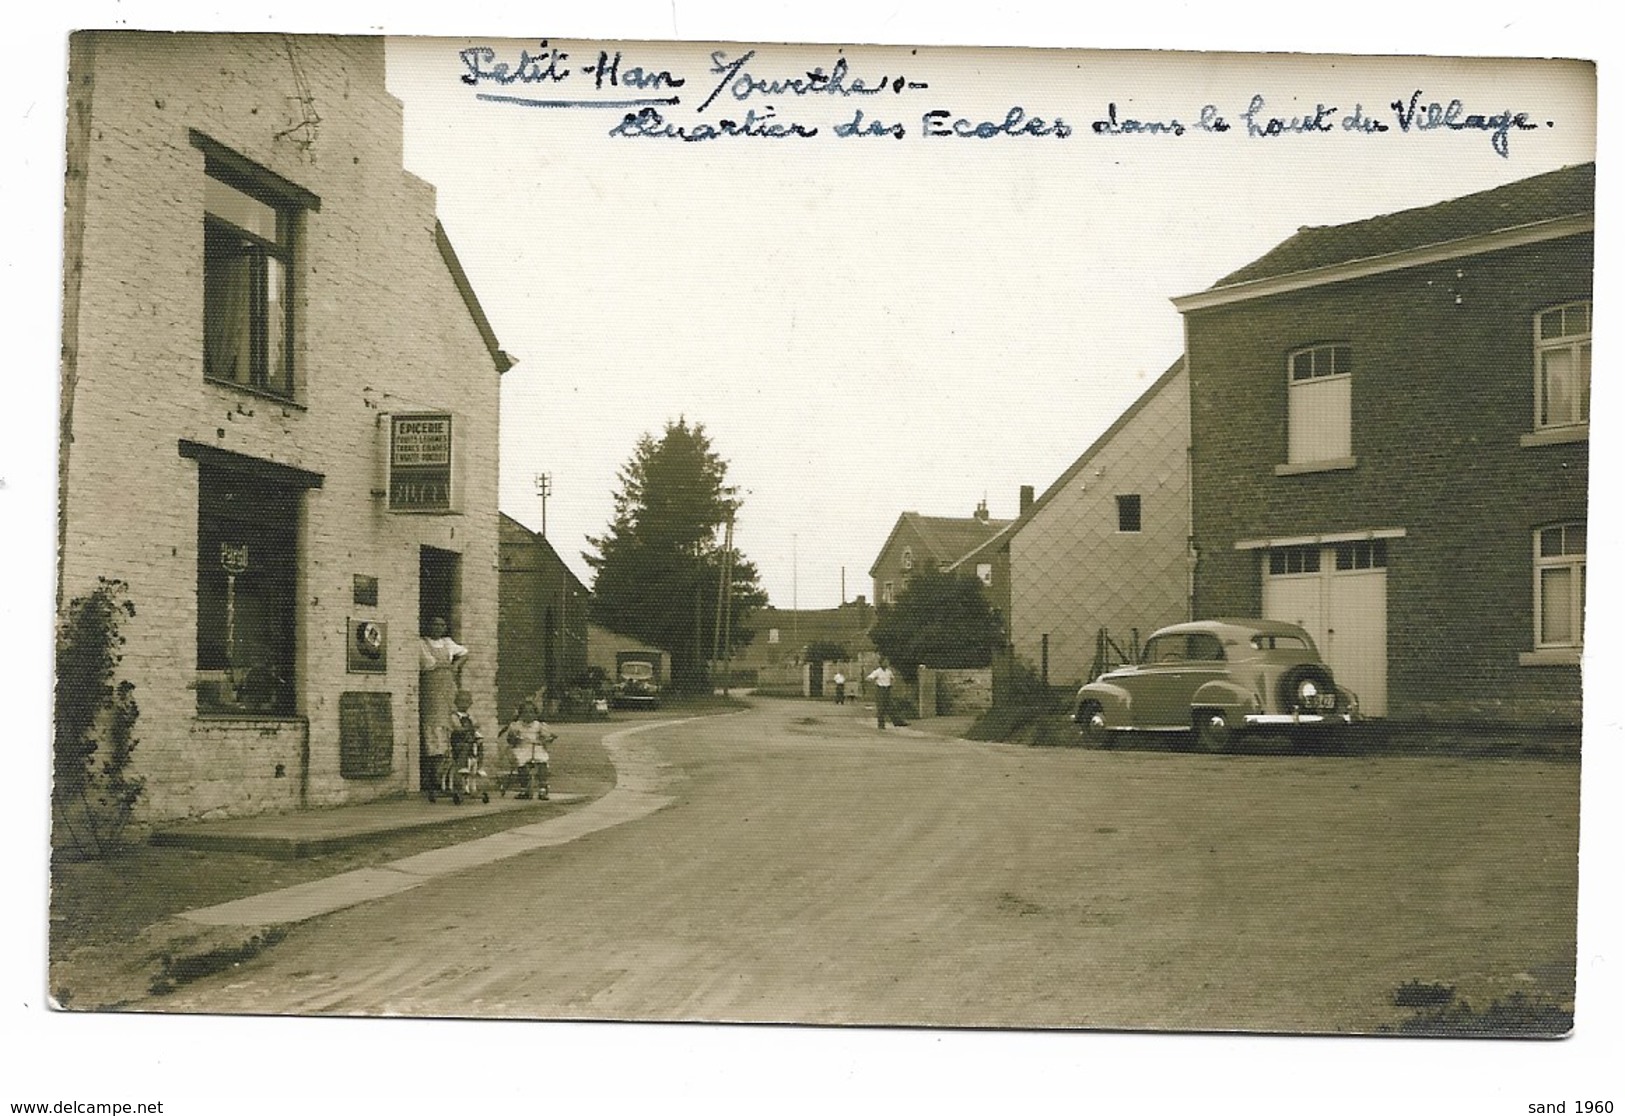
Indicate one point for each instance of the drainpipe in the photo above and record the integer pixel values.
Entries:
(304, 762)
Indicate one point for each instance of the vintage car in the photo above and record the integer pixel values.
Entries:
(1216, 679)
(636, 687)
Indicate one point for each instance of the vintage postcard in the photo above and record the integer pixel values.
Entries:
(871, 536)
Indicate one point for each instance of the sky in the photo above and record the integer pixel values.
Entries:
(908, 326)
(869, 324)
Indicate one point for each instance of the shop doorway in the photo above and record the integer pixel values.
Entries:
(440, 588)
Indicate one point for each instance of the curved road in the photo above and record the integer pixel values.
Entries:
(808, 868)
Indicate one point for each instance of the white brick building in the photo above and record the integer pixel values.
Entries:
(271, 363)
(1107, 547)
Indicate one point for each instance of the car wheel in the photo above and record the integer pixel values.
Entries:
(1213, 731)
(1091, 721)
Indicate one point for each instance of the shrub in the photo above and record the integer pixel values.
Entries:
(94, 793)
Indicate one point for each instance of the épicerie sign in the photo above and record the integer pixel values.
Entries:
(420, 463)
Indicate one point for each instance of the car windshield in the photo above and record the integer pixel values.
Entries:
(640, 672)
(1181, 647)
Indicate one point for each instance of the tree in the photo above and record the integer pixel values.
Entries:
(94, 792)
(940, 620)
(659, 566)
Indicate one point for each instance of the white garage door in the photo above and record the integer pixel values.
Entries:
(1338, 593)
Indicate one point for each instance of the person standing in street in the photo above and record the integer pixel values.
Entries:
(840, 688)
(882, 677)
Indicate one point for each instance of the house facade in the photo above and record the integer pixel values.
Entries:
(1101, 558)
(542, 620)
(927, 542)
(279, 415)
(1389, 434)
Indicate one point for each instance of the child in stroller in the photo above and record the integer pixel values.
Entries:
(527, 739)
(465, 776)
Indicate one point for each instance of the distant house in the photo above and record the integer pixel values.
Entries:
(1389, 431)
(924, 542)
(541, 620)
(1101, 558)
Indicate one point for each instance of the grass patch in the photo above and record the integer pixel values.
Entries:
(104, 902)
(1516, 1016)
(1415, 994)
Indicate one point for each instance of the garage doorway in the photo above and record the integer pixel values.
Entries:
(1338, 593)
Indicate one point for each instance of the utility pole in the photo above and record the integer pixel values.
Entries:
(725, 601)
(544, 489)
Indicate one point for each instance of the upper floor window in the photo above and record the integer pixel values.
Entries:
(247, 296)
(984, 573)
(1128, 513)
(252, 220)
(1318, 404)
(908, 558)
(888, 594)
(1563, 366)
(1560, 584)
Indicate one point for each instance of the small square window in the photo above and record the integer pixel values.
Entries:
(1128, 514)
(365, 590)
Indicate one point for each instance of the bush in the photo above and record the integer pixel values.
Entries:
(94, 793)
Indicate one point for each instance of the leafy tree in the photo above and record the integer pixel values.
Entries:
(940, 620)
(827, 651)
(659, 564)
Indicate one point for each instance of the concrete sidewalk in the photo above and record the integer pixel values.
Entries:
(634, 796)
(326, 829)
(204, 940)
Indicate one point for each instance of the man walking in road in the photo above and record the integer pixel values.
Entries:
(881, 676)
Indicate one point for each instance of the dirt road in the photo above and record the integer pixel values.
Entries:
(813, 869)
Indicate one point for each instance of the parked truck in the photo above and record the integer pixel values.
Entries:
(638, 678)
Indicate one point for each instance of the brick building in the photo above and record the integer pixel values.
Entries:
(927, 542)
(1389, 433)
(279, 414)
(542, 624)
(1103, 553)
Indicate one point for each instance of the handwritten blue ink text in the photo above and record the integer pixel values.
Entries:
(1016, 122)
(529, 68)
(742, 85)
(1413, 114)
(649, 122)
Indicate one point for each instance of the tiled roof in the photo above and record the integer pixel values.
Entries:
(950, 538)
(1560, 193)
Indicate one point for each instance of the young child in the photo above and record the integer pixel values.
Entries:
(465, 746)
(529, 736)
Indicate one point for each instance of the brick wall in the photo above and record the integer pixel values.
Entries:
(1443, 386)
(381, 327)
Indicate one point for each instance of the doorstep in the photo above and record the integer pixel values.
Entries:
(314, 832)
